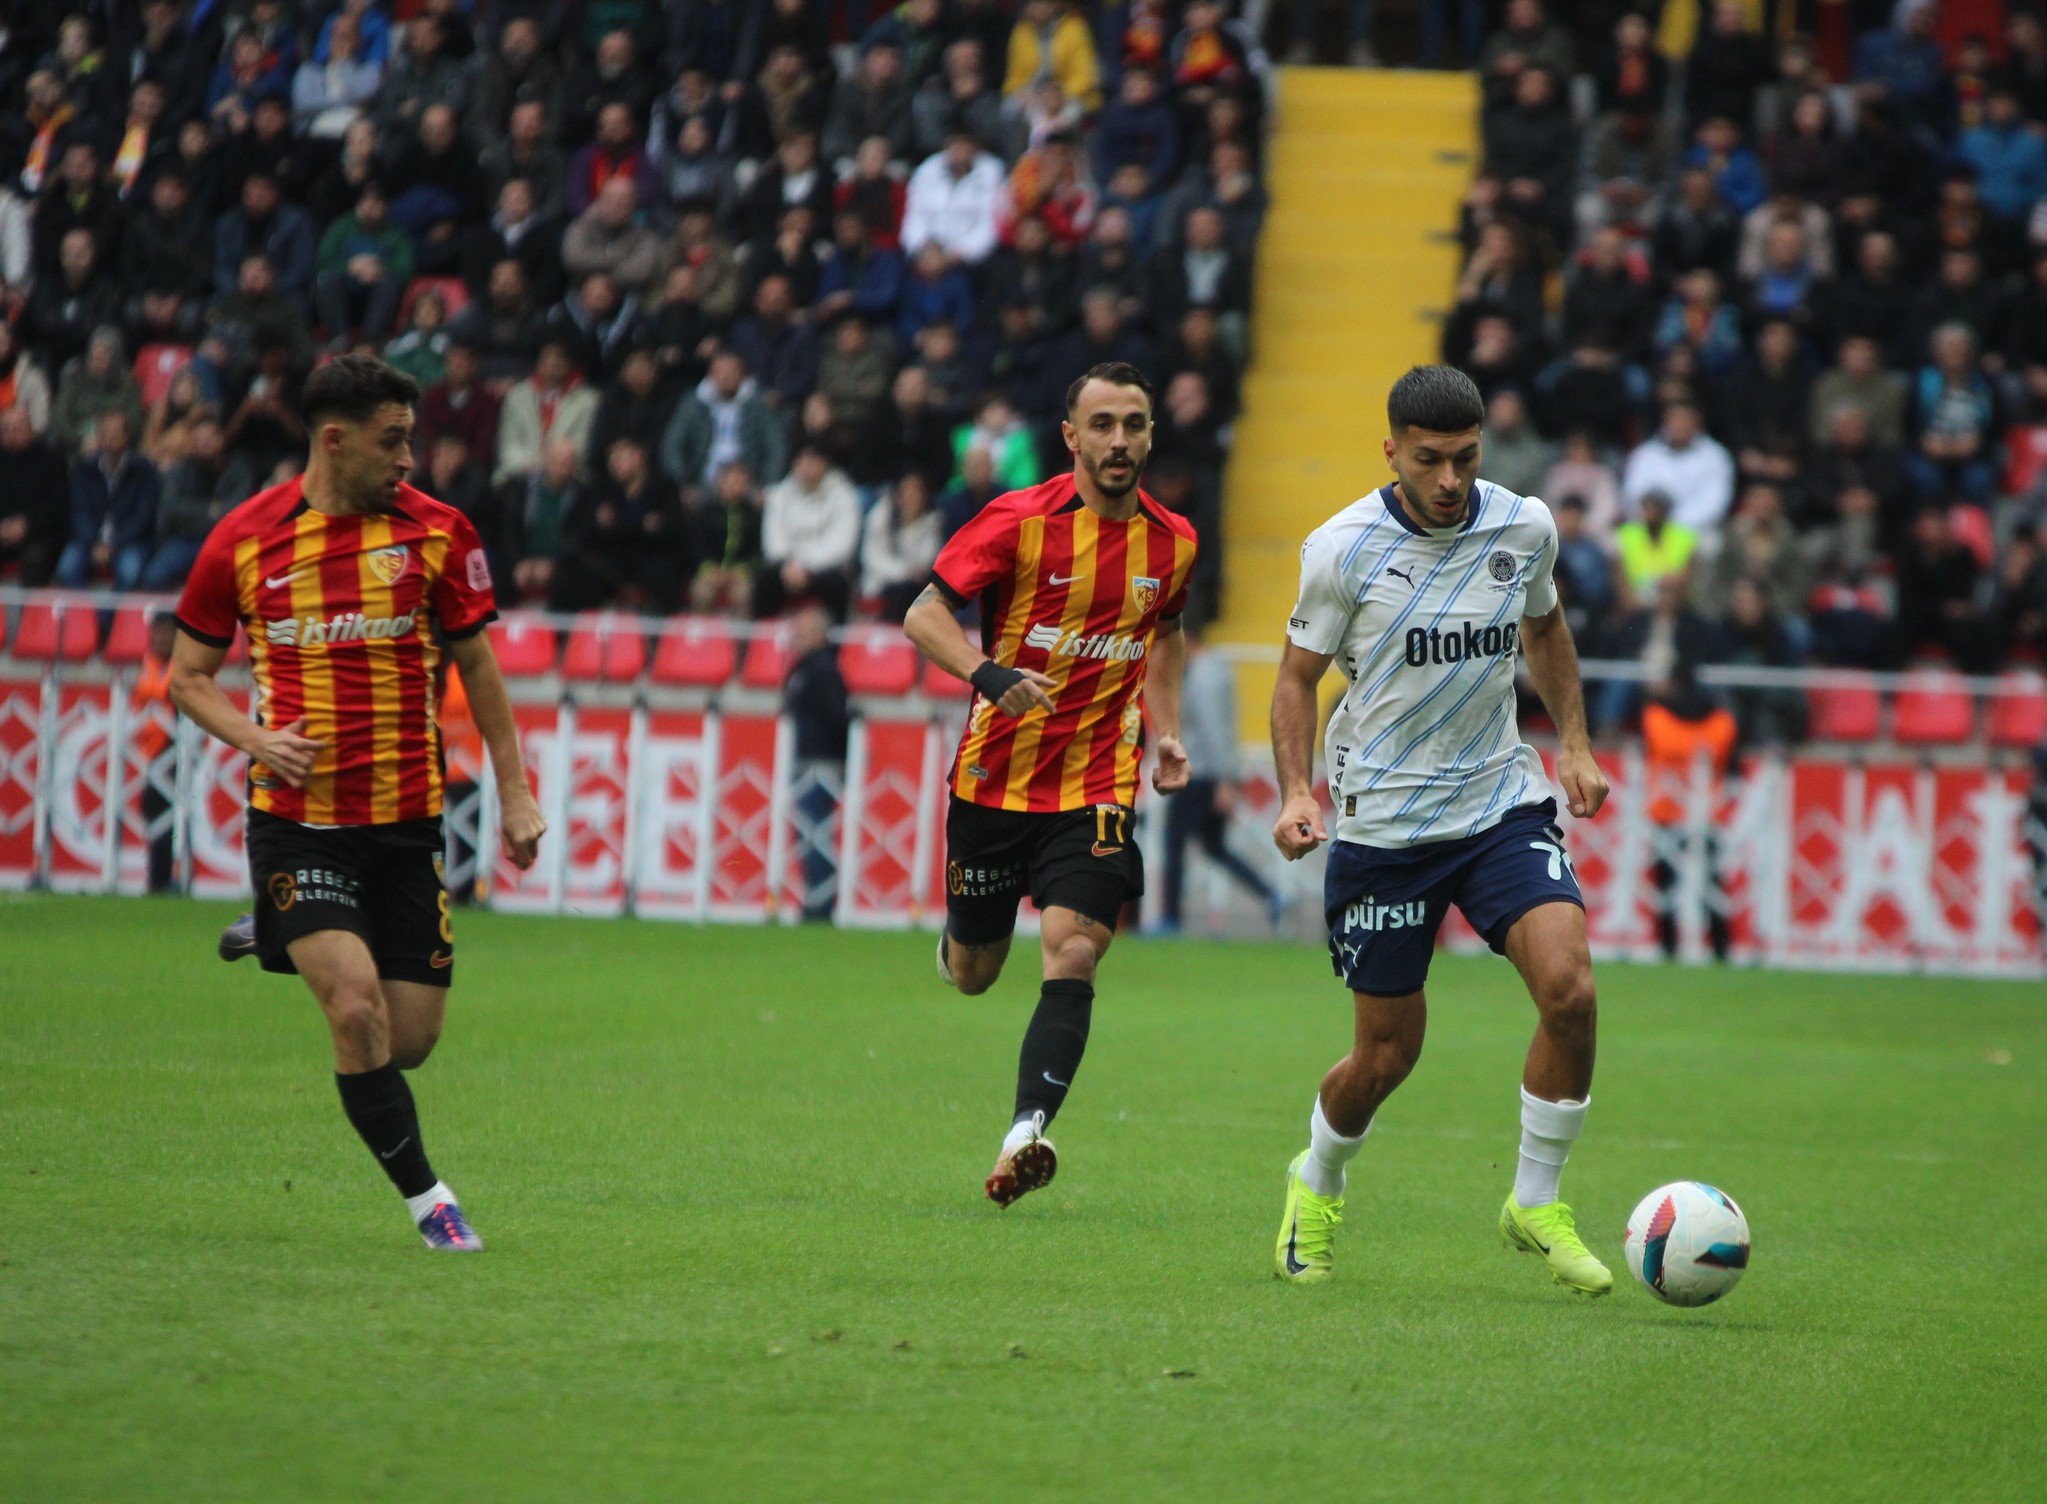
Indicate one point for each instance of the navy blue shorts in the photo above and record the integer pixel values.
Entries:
(1385, 906)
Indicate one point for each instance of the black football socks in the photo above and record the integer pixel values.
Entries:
(379, 1105)
(1052, 1047)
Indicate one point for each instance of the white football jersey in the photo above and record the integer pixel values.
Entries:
(1425, 623)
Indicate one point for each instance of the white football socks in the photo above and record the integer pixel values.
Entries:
(426, 1201)
(1548, 1129)
(1022, 1131)
(1328, 1152)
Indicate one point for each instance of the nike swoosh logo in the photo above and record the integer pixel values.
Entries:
(401, 1144)
(1061, 579)
(1101, 850)
(1048, 1076)
(441, 960)
(1294, 1265)
(280, 582)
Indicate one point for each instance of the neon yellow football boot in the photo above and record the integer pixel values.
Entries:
(1306, 1229)
(1552, 1232)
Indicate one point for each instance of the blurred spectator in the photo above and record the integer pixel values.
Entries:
(1805, 157)
(955, 198)
(166, 264)
(598, 321)
(899, 541)
(997, 429)
(1581, 472)
(690, 169)
(551, 405)
(873, 100)
(361, 268)
(858, 275)
(1697, 317)
(777, 344)
(724, 420)
(626, 540)
(1532, 146)
(421, 349)
(1656, 636)
(615, 156)
(1687, 464)
(537, 506)
(1858, 380)
(97, 384)
(971, 490)
(1528, 39)
(606, 72)
(519, 70)
(1697, 229)
(197, 491)
(1608, 293)
(1873, 304)
(1051, 37)
(1203, 272)
(810, 537)
(728, 530)
(1954, 420)
(875, 192)
(63, 310)
(35, 505)
(1049, 183)
(1516, 456)
(263, 222)
(23, 387)
(1937, 585)
(1736, 175)
(855, 370)
(1500, 277)
(1767, 399)
(1850, 458)
(1591, 390)
(814, 700)
(638, 404)
(459, 403)
(114, 495)
(936, 291)
(1728, 67)
(1111, 261)
(1760, 549)
(1138, 126)
(1197, 346)
(1652, 547)
(792, 179)
(2025, 339)
(168, 426)
(527, 152)
(959, 92)
(607, 237)
(421, 75)
(1584, 569)
(1685, 733)
(2017, 615)
(503, 327)
(1907, 61)
(330, 93)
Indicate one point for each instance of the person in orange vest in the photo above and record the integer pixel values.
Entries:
(153, 743)
(462, 750)
(1679, 724)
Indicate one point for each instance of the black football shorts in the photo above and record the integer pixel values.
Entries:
(1081, 859)
(382, 882)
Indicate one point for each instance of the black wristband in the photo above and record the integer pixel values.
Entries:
(993, 681)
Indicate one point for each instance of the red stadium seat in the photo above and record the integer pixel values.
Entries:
(699, 652)
(2018, 717)
(156, 366)
(56, 634)
(1933, 709)
(940, 685)
(767, 660)
(608, 650)
(129, 640)
(524, 646)
(1845, 713)
(877, 661)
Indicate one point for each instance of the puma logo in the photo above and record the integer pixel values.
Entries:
(1402, 574)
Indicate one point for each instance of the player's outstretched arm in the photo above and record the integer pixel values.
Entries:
(1162, 700)
(1300, 828)
(1553, 665)
(937, 634)
(491, 708)
(286, 751)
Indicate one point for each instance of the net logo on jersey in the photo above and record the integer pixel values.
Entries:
(1059, 643)
(1459, 645)
(349, 626)
(387, 563)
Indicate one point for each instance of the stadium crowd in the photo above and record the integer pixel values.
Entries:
(1764, 318)
(724, 305)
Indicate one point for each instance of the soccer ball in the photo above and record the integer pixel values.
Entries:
(1687, 1243)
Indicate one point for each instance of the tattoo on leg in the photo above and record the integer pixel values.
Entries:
(1086, 923)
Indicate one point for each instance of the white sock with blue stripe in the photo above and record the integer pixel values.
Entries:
(1328, 1152)
(1548, 1129)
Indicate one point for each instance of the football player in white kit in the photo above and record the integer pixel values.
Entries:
(1423, 592)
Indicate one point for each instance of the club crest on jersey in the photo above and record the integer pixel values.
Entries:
(387, 563)
(1502, 566)
(1146, 589)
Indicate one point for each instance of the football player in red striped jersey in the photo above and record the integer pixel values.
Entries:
(1081, 582)
(339, 578)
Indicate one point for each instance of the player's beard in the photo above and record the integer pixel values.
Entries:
(1429, 508)
(1116, 484)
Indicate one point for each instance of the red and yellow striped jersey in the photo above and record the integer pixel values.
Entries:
(1075, 596)
(339, 612)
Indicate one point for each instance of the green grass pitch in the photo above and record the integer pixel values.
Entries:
(730, 1179)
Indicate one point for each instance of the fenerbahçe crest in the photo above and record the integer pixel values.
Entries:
(387, 563)
(1146, 589)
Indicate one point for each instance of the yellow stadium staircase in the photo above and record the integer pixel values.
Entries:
(1356, 266)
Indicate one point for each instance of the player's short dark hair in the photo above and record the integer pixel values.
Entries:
(1116, 373)
(1437, 399)
(353, 387)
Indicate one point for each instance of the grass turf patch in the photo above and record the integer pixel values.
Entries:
(730, 1180)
